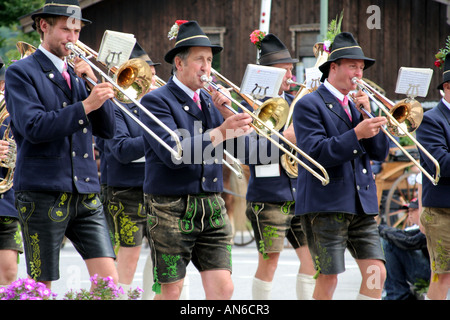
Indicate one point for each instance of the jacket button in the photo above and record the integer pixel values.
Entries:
(215, 180)
(87, 179)
(364, 170)
(85, 155)
(80, 122)
(74, 154)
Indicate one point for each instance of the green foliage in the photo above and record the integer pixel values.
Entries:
(10, 31)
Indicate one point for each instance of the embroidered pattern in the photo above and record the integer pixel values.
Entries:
(286, 207)
(171, 262)
(216, 219)
(127, 229)
(35, 263)
(186, 224)
(324, 257)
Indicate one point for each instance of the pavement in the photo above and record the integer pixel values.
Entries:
(74, 275)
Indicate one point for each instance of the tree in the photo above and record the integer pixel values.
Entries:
(10, 31)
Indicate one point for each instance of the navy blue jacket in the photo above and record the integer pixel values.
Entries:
(324, 132)
(200, 169)
(124, 154)
(54, 135)
(434, 135)
(262, 151)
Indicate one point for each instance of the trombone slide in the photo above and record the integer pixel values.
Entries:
(176, 153)
(393, 120)
(324, 179)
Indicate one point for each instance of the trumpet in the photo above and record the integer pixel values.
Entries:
(406, 115)
(266, 130)
(127, 89)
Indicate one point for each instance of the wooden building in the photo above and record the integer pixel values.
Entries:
(394, 32)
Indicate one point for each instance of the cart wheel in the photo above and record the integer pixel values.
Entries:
(403, 190)
(244, 237)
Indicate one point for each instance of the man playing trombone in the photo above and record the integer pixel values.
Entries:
(271, 194)
(434, 135)
(339, 136)
(188, 220)
(53, 119)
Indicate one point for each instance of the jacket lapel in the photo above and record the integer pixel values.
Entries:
(52, 73)
(188, 105)
(334, 106)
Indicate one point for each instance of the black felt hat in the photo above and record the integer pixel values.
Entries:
(139, 52)
(274, 51)
(67, 8)
(446, 74)
(190, 35)
(344, 46)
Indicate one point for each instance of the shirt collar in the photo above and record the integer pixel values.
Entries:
(59, 64)
(183, 87)
(447, 104)
(333, 90)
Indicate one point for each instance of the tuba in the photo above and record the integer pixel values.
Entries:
(289, 164)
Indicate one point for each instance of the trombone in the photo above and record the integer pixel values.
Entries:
(266, 130)
(406, 115)
(126, 76)
(235, 166)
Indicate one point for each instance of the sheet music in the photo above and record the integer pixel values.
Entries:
(262, 81)
(116, 48)
(413, 81)
(313, 76)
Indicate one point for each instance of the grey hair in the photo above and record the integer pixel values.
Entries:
(183, 55)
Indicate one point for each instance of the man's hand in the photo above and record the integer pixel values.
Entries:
(362, 101)
(99, 94)
(369, 128)
(233, 127)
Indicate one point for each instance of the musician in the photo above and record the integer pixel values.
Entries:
(434, 135)
(56, 179)
(340, 215)
(10, 236)
(271, 193)
(188, 220)
(124, 157)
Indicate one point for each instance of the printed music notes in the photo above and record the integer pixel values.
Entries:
(116, 48)
(262, 81)
(413, 82)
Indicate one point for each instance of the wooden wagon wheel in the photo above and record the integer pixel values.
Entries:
(403, 190)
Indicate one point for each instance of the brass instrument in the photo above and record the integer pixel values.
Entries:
(288, 164)
(132, 81)
(272, 114)
(266, 129)
(406, 115)
(235, 165)
(9, 162)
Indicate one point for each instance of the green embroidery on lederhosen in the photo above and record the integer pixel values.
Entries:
(127, 229)
(60, 211)
(216, 219)
(114, 209)
(286, 207)
(186, 224)
(171, 263)
(326, 260)
(35, 263)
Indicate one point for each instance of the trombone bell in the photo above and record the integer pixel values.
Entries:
(409, 114)
(273, 115)
(135, 78)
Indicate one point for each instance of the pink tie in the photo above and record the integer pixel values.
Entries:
(66, 75)
(197, 100)
(345, 105)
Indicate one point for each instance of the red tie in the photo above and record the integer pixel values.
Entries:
(66, 75)
(197, 100)
(344, 104)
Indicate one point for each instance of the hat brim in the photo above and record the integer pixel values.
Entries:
(46, 14)
(325, 67)
(445, 79)
(173, 52)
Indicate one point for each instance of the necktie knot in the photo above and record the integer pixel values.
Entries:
(197, 100)
(344, 102)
